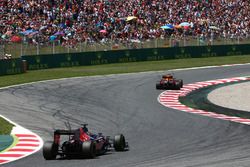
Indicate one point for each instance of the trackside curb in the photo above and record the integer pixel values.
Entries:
(26, 143)
(170, 98)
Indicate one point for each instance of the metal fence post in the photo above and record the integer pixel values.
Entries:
(21, 49)
(156, 43)
(37, 49)
(68, 48)
(85, 44)
(111, 44)
(80, 45)
(53, 47)
(2, 50)
(170, 41)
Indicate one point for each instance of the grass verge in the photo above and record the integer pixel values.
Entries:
(6, 127)
(38, 75)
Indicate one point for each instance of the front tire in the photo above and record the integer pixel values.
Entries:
(181, 83)
(158, 86)
(178, 86)
(119, 143)
(50, 150)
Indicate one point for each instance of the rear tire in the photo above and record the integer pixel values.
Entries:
(88, 149)
(50, 150)
(119, 143)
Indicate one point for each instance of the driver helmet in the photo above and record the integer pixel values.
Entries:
(85, 129)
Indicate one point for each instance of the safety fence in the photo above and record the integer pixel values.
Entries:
(27, 47)
(35, 62)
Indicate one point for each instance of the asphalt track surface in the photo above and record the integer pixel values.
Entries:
(158, 136)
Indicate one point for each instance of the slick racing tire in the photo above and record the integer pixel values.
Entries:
(119, 143)
(181, 83)
(178, 86)
(88, 149)
(158, 86)
(50, 150)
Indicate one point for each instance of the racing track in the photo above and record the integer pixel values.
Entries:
(158, 136)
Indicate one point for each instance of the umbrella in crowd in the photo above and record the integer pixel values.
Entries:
(16, 39)
(135, 40)
(62, 25)
(8, 33)
(165, 27)
(69, 34)
(4, 36)
(168, 26)
(103, 31)
(33, 33)
(99, 24)
(52, 38)
(27, 32)
(185, 27)
(214, 28)
(184, 24)
(178, 26)
(42, 28)
(131, 18)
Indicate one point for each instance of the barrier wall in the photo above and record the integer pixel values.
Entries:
(122, 56)
(11, 66)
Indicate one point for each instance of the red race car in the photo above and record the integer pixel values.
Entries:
(169, 82)
(80, 143)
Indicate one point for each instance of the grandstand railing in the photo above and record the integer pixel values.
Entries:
(54, 47)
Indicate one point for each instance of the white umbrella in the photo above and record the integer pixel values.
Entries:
(184, 24)
(214, 28)
(131, 18)
(42, 28)
(135, 40)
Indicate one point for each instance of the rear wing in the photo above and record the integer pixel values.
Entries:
(58, 133)
(64, 132)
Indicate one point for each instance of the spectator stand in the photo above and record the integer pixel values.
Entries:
(59, 26)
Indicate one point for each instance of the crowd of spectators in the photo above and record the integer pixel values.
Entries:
(73, 21)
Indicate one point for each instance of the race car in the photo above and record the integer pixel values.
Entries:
(169, 82)
(81, 143)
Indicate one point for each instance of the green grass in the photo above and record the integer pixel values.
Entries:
(39, 75)
(6, 127)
